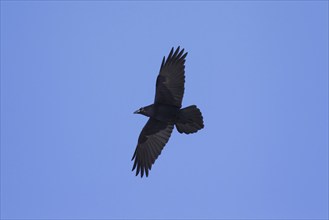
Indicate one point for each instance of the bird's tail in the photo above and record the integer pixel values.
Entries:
(190, 120)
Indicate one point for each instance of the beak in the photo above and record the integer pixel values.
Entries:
(136, 112)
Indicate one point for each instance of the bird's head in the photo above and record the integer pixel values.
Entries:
(140, 111)
(147, 110)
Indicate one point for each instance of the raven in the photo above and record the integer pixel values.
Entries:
(165, 112)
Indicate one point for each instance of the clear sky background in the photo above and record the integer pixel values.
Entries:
(72, 73)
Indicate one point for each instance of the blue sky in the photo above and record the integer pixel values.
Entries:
(73, 72)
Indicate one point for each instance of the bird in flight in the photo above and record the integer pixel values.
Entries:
(165, 113)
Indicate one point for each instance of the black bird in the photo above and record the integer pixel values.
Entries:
(165, 112)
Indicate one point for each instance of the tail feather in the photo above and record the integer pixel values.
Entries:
(190, 120)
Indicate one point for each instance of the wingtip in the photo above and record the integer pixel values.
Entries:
(180, 48)
(142, 172)
(133, 156)
(163, 62)
(177, 50)
(184, 56)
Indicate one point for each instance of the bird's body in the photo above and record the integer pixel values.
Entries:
(161, 112)
(165, 113)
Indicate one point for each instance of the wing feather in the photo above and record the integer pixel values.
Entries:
(151, 141)
(171, 79)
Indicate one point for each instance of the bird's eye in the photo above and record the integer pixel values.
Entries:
(141, 109)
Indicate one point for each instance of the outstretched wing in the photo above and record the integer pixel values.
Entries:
(171, 79)
(151, 141)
